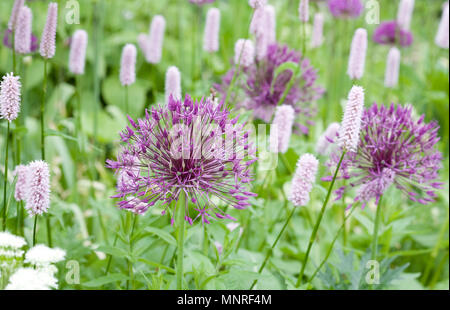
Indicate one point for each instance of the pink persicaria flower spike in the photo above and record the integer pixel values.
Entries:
(128, 65)
(212, 28)
(244, 52)
(317, 32)
(77, 56)
(38, 193)
(156, 39)
(264, 31)
(328, 139)
(257, 3)
(303, 181)
(441, 38)
(10, 97)
(271, 18)
(404, 14)
(392, 68)
(47, 47)
(173, 83)
(21, 174)
(351, 122)
(201, 2)
(357, 56)
(22, 36)
(18, 4)
(142, 41)
(281, 129)
(303, 11)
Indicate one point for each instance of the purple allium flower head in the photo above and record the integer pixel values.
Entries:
(156, 39)
(404, 14)
(345, 8)
(77, 56)
(128, 65)
(212, 28)
(303, 11)
(22, 40)
(257, 90)
(21, 173)
(18, 4)
(317, 32)
(179, 148)
(201, 2)
(357, 58)
(48, 47)
(351, 121)
(394, 148)
(388, 32)
(304, 178)
(281, 129)
(7, 40)
(328, 139)
(173, 83)
(244, 52)
(10, 97)
(392, 68)
(441, 38)
(38, 192)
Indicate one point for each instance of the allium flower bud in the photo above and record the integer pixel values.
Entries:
(38, 193)
(357, 57)
(327, 139)
(77, 57)
(173, 83)
(244, 52)
(156, 38)
(303, 11)
(392, 68)
(47, 48)
(281, 129)
(351, 122)
(317, 32)
(127, 65)
(21, 173)
(271, 19)
(404, 14)
(18, 4)
(304, 178)
(212, 27)
(22, 36)
(10, 97)
(441, 38)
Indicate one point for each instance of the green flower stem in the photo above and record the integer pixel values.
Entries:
(182, 204)
(319, 219)
(375, 231)
(98, 32)
(273, 246)
(127, 112)
(34, 229)
(78, 113)
(5, 180)
(130, 244)
(286, 163)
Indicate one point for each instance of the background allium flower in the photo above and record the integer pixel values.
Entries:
(357, 58)
(244, 52)
(303, 11)
(345, 8)
(77, 56)
(317, 32)
(7, 41)
(394, 148)
(10, 241)
(42, 256)
(304, 178)
(21, 173)
(281, 129)
(156, 39)
(31, 279)
(128, 65)
(392, 68)
(173, 83)
(201, 2)
(18, 4)
(441, 38)
(47, 47)
(351, 122)
(38, 195)
(404, 14)
(22, 40)
(257, 90)
(328, 139)
(10, 97)
(179, 148)
(388, 32)
(212, 28)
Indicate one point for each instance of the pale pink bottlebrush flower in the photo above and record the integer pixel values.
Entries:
(317, 32)
(257, 3)
(212, 28)
(351, 122)
(10, 97)
(327, 140)
(281, 129)
(22, 35)
(357, 58)
(404, 14)
(303, 11)
(18, 4)
(128, 65)
(156, 39)
(47, 47)
(392, 68)
(441, 38)
(38, 193)
(271, 19)
(264, 31)
(142, 41)
(244, 52)
(304, 178)
(21, 173)
(173, 83)
(77, 56)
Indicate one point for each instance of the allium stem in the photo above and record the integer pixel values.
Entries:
(182, 203)
(319, 219)
(375, 231)
(5, 183)
(273, 246)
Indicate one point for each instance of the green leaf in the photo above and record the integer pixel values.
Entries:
(106, 279)
(114, 251)
(162, 234)
(158, 265)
